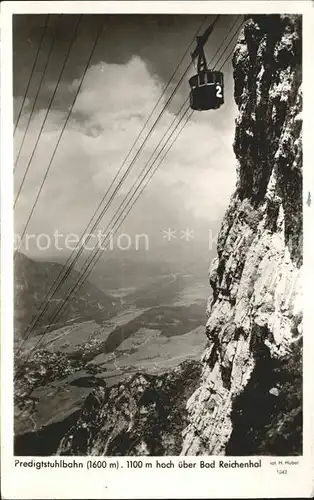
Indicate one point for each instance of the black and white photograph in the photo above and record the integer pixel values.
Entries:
(158, 234)
(156, 253)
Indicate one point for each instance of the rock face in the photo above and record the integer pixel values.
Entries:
(145, 415)
(249, 399)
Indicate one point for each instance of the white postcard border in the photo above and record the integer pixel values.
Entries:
(25, 483)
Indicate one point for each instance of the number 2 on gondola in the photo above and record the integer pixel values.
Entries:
(219, 91)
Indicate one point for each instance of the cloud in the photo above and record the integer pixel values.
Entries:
(193, 183)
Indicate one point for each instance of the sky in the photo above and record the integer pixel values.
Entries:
(133, 62)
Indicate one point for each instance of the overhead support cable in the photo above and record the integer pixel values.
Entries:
(47, 113)
(32, 71)
(63, 274)
(38, 92)
(92, 262)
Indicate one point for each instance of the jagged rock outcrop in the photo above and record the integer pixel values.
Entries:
(144, 415)
(249, 399)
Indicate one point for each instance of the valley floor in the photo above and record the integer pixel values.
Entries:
(80, 356)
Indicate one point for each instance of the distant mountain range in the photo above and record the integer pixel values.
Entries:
(140, 271)
(32, 282)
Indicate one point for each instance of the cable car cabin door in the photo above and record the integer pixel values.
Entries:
(206, 90)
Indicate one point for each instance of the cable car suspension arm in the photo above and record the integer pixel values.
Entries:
(199, 50)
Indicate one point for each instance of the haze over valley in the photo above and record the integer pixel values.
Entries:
(132, 315)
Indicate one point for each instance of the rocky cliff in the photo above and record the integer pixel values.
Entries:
(248, 397)
(145, 415)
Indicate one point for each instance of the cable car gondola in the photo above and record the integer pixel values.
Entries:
(207, 86)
